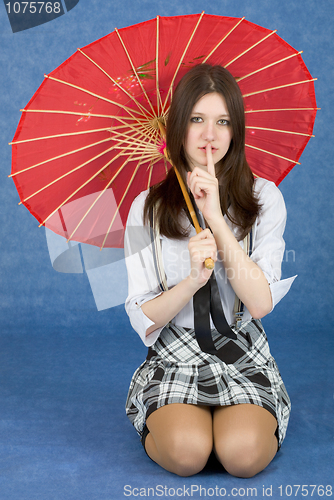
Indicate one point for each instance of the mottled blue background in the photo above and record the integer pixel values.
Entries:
(32, 294)
(36, 301)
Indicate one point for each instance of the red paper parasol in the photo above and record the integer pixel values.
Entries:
(88, 141)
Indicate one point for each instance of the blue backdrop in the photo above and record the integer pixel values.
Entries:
(48, 319)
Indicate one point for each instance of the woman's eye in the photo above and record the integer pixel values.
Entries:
(196, 119)
(224, 122)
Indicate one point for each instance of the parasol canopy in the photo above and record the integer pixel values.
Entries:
(89, 140)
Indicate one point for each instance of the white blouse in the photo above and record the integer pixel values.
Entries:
(268, 252)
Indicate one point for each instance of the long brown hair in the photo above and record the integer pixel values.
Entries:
(235, 178)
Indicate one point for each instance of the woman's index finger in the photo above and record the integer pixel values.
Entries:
(210, 164)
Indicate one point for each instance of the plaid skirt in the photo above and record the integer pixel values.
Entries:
(177, 371)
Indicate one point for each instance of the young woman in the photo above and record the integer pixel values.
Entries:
(209, 382)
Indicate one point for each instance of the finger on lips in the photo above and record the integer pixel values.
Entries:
(199, 184)
(209, 156)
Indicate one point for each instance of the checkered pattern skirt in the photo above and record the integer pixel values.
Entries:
(177, 371)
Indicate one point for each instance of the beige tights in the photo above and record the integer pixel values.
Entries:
(182, 436)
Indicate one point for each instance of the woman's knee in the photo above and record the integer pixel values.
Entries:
(243, 455)
(188, 453)
(182, 436)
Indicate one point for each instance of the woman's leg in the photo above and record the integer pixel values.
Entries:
(180, 438)
(244, 438)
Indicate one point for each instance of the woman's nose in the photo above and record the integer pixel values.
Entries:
(209, 132)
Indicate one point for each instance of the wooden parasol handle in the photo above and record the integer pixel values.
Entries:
(209, 263)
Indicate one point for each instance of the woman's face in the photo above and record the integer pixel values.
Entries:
(209, 123)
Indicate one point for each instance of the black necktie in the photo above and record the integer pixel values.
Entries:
(207, 300)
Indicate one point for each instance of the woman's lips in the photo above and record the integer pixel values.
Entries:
(204, 149)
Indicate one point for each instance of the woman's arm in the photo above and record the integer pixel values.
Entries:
(246, 277)
(166, 306)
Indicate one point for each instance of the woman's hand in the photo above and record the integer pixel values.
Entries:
(167, 305)
(205, 189)
(201, 247)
